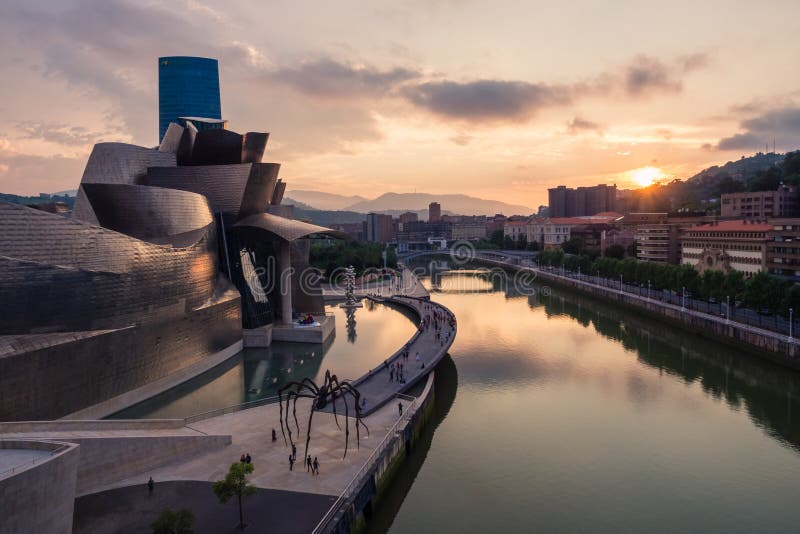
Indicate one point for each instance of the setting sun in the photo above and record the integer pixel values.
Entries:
(646, 176)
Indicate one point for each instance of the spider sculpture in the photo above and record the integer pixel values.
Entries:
(329, 391)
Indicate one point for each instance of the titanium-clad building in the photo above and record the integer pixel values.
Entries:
(169, 253)
(188, 87)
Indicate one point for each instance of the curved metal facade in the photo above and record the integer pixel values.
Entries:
(130, 288)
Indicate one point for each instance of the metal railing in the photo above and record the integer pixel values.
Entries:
(719, 310)
(230, 409)
(34, 461)
(355, 483)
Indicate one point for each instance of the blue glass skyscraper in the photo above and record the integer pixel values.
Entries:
(187, 87)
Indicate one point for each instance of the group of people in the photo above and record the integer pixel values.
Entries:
(312, 466)
(396, 372)
(246, 458)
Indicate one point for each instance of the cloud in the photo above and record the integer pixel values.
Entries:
(486, 100)
(61, 133)
(461, 139)
(782, 124)
(489, 100)
(646, 74)
(327, 78)
(578, 125)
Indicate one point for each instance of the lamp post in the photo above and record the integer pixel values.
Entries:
(648, 289)
(791, 312)
(579, 272)
(683, 300)
(620, 282)
(727, 308)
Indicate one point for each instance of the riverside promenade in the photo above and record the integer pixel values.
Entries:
(775, 346)
(185, 456)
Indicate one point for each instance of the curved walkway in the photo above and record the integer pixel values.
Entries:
(376, 386)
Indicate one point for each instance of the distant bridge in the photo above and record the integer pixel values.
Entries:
(464, 253)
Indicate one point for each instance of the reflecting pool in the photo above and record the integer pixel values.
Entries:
(364, 338)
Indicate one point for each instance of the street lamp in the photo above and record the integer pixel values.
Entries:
(727, 308)
(648, 289)
(791, 312)
(620, 282)
(683, 300)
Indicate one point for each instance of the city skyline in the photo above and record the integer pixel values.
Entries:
(379, 99)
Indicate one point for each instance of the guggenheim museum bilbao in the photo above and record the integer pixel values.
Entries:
(170, 257)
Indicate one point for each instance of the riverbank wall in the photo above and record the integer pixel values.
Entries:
(352, 515)
(771, 345)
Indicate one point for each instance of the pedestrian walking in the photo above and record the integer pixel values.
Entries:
(248, 459)
(242, 459)
(309, 466)
(274, 435)
(316, 466)
(400, 407)
(291, 462)
(150, 486)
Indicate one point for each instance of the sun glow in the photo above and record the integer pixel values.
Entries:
(646, 176)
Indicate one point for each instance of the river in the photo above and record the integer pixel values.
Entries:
(559, 413)
(574, 415)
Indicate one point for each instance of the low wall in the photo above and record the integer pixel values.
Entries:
(39, 498)
(69, 425)
(351, 516)
(771, 345)
(107, 460)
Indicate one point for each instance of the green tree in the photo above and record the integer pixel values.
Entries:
(573, 246)
(174, 522)
(615, 251)
(711, 284)
(235, 485)
(733, 286)
(497, 238)
(764, 292)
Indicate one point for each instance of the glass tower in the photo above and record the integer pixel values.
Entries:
(187, 87)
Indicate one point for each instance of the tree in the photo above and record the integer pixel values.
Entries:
(497, 238)
(573, 246)
(174, 522)
(764, 292)
(615, 251)
(235, 485)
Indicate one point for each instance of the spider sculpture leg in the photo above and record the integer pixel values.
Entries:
(308, 431)
(355, 393)
(280, 407)
(314, 387)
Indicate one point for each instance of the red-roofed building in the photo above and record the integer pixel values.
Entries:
(555, 231)
(727, 246)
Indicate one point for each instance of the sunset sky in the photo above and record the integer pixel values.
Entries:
(496, 99)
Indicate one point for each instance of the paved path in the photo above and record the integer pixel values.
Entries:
(376, 387)
(251, 430)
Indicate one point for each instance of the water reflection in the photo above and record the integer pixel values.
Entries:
(575, 415)
(258, 373)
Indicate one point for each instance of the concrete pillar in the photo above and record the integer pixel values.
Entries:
(285, 266)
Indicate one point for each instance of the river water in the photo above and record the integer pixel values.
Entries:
(573, 415)
(559, 413)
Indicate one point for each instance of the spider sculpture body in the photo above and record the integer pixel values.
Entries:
(330, 390)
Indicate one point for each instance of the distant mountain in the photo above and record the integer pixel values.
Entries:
(741, 169)
(323, 201)
(458, 204)
(68, 193)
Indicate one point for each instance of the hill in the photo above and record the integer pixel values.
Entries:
(458, 204)
(323, 201)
